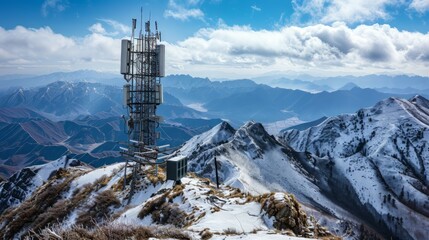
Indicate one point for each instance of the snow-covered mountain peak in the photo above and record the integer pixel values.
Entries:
(254, 139)
(252, 129)
(420, 100)
(361, 168)
(381, 154)
(418, 107)
(219, 134)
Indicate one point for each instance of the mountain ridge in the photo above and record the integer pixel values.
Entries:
(385, 143)
(333, 182)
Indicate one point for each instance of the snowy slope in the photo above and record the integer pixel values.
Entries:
(23, 183)
(77, 195)
(366, 168)
(256, 162)
(379, 157)
(217, 135)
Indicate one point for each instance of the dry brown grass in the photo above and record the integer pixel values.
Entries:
(287, 213)
(163, 211)
(27, 212)
(231, 231)
(206, 234)
(289, 216)
(98, 210)
(170, 213)
(112, 232)
(152, 205)
(119, 185)
(156, 178)
(62, 208)
(176, 191)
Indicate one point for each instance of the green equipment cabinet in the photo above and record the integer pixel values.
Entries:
(177, 168)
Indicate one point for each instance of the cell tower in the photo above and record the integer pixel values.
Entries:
(143, 66)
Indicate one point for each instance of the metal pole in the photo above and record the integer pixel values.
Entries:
(217, 177)
(125, 175)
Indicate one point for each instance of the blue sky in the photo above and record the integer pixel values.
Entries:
(221, 38)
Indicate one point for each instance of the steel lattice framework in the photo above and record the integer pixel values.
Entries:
(143, 64)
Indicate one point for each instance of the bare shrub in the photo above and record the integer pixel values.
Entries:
(170, 213)
(152, 205)
(98, 210)
(26, 213)
(231, 231)
(206, 234)
(164, 212)
(62, 208)
(114, 232)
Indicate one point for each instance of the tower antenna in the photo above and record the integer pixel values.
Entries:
(141, 20)
(143, 66)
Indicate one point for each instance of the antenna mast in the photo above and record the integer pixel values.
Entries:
(143, 66)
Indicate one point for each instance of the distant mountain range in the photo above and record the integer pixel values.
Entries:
(377, 81)
(295, 84)
(28, 81)
(60, 106)
(239, 96)
(299, 82)
(266, 104)
(201, 90)
(243, 100)
(69, 100)
(403, 83)
(28, 138)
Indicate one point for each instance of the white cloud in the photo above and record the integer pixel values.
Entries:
(328, 49)
(182, 10)
(350, 11)
(97, 28)
(255, 8)
(28, 50)
(117, 26)
(53, 5)
(420, 6)
(230, 51)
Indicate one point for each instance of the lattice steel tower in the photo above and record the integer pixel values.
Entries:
(143, 65)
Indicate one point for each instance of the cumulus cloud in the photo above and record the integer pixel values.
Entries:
(221, 52)
(420, 6)
(115, 28)
(97, 28)
(118, 27)
(350, 11)
(53, 5)
(28, 50)
(364, 49)
(183, 10)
